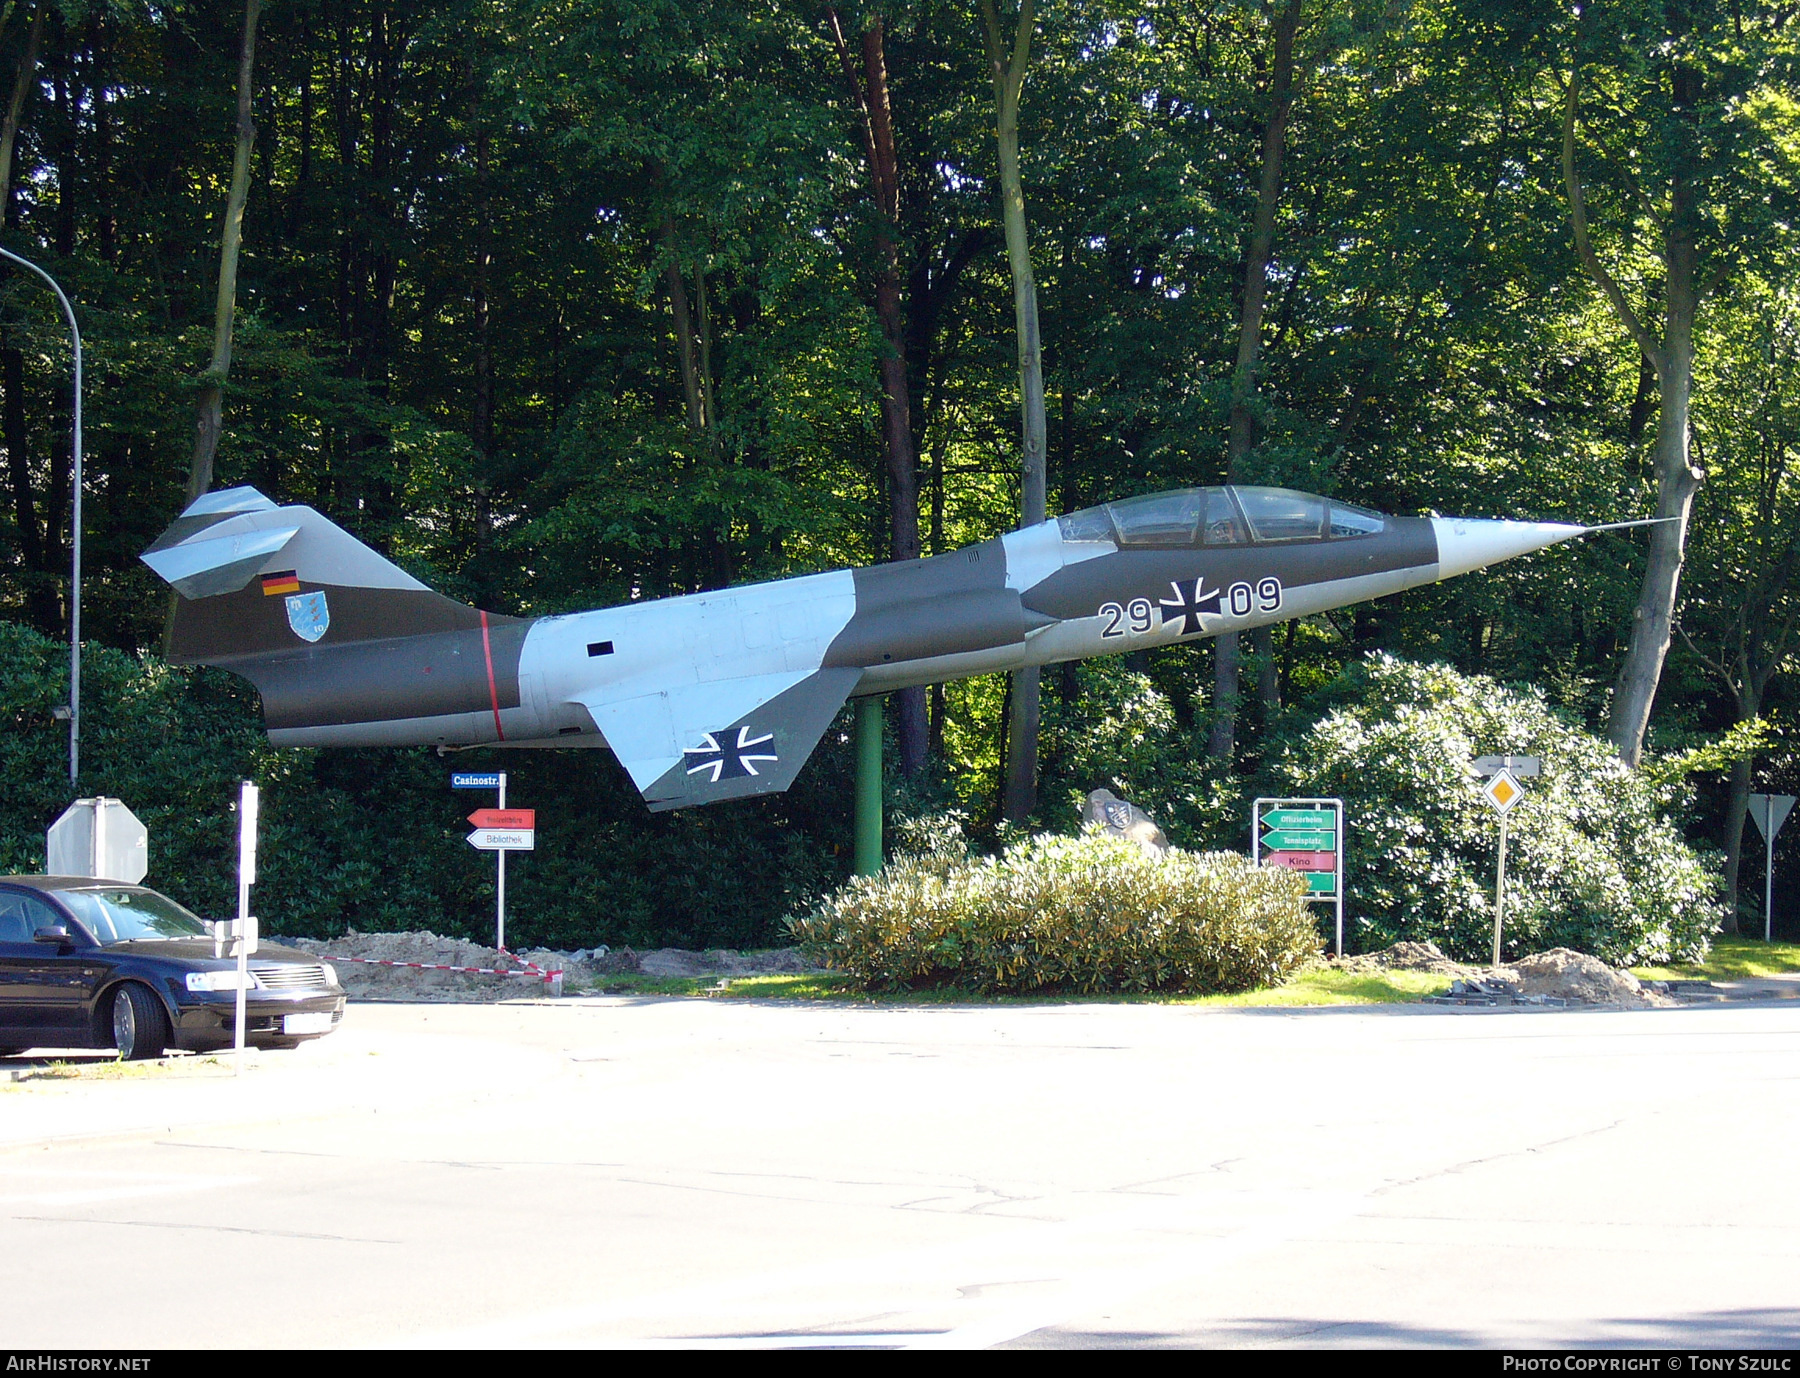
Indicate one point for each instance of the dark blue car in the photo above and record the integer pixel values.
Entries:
(95, 964)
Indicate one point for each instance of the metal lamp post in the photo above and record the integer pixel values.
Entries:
(74, 527)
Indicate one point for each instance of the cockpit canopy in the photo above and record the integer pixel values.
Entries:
(1233, 515)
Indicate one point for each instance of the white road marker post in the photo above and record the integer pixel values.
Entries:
(248, 800)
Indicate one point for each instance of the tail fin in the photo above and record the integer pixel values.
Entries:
(345, 646)
(255, 579)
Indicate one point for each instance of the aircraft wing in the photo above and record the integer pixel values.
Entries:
(728, 739)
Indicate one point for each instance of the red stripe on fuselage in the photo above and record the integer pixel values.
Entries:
(487, 650)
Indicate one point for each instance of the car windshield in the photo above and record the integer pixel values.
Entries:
(120, 914)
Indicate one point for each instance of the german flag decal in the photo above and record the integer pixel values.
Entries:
(286, 582)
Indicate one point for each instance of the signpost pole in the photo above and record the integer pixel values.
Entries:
(1499, 889)
(248, 798)
(1503, 791)
(1340, 879)
(500, 889)
(1768, 888)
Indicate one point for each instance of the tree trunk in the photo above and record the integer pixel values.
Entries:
(1676, 483)
(1228, 659)
(684, 330)
(870, 95)
(209, 413)
(1020, 795)
(1737, 807)
(35, 544)
(23, 83)
(1676, 478)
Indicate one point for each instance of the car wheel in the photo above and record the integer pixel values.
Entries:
(140, 1029)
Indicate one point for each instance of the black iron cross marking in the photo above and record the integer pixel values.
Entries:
(730, 761)
(1189, 605)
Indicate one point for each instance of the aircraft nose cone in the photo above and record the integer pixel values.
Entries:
(1468, 543)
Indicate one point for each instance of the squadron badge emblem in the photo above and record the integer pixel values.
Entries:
(309, 615)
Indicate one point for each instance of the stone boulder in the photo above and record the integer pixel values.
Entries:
(1122, 819)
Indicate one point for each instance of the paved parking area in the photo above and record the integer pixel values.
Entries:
(746, 1174)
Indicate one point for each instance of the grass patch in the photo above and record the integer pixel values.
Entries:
(649, 985)
(1325, 985)
(1315, 985)
(1731, 959)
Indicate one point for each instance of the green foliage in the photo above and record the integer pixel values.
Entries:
(1120, 730)
(1593, 860)
(375, 840)
(1054, 914)
(1737, 743)
(469, 224)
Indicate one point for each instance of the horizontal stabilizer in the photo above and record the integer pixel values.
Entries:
(201, 567)
(728, 739)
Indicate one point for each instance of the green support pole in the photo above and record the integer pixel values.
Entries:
(868, 786)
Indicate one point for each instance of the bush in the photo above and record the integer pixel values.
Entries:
(1085, 914)
(1593, 862)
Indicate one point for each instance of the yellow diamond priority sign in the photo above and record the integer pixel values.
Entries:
(1503, 791)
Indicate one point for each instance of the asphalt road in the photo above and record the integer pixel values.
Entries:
(682, 1172)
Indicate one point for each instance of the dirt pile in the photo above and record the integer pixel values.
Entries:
(364, 980)
(1563, 974)
(1559, 974)
(1408, 957)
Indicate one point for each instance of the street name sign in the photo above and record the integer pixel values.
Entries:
(467, 780)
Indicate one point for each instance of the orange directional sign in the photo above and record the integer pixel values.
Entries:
(504, 818)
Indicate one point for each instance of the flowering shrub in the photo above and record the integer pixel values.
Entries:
(1593, 861)
(1088, 914)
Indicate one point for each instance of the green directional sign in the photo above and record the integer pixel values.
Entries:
(1300, 818)
(1321, 882)
(1300, 842)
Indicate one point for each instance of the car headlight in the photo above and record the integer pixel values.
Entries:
(330, 974)
(221, 980)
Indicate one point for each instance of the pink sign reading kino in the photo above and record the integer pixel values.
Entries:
(1302, 861)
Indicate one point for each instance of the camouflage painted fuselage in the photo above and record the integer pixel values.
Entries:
(724, 694)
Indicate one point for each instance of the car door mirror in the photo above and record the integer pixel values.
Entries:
(56, 933)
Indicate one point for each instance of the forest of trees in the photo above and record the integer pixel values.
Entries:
(564, 302)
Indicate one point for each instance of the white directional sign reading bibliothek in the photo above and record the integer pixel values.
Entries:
(503, 839)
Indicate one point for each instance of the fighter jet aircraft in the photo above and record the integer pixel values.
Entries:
(725, 694)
